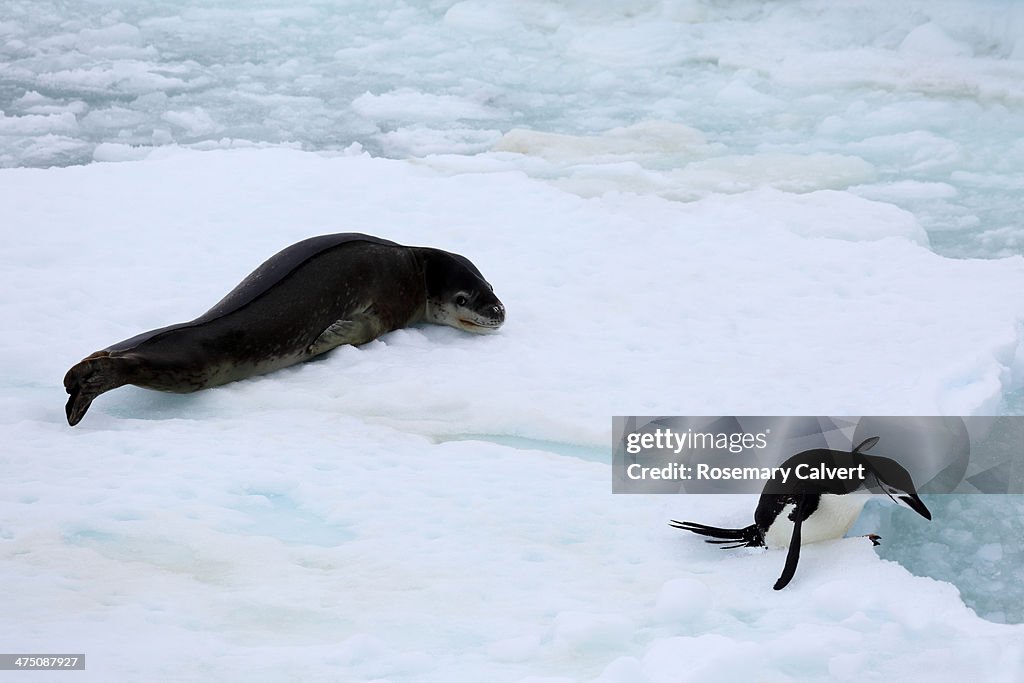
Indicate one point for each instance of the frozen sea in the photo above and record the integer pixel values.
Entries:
(688, 208)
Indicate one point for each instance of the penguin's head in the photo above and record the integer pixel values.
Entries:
(896, 482)
(892, 477)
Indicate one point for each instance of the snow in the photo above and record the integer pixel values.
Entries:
(360, 517)
(687, 208)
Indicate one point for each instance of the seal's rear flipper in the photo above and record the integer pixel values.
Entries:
(88, 379)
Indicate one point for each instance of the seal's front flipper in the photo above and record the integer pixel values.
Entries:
(359, 329)
(88, 379)
(799, 514)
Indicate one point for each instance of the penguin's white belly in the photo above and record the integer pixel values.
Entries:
(833, 518)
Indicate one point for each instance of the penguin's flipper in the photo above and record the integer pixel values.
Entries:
(793, 556)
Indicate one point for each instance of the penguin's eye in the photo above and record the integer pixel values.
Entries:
(460, 300)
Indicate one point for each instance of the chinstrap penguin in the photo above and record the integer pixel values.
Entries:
(801, 511)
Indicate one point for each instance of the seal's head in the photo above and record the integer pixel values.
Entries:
(458, 295)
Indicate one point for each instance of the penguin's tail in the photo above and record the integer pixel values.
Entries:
(747, 537)
(91, 377)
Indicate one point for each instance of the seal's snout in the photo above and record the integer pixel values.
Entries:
(494, 315)
(484, 318)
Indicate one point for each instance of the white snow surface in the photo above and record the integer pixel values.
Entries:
(436, 506)
(688, 207)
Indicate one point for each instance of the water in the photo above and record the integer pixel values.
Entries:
(970, 542)
(927, 95)
(571, 450)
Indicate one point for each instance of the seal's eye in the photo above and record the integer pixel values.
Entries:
(460, 300)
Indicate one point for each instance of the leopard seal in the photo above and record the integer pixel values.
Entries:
(313, 296)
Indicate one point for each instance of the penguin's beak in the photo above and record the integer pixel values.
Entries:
(916, 504)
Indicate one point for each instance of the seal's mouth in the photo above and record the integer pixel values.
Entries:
(486, 319)
(473, 326)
